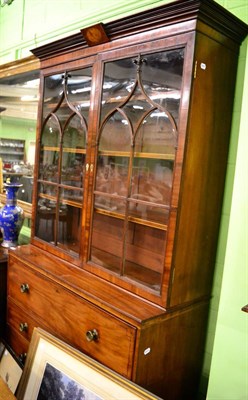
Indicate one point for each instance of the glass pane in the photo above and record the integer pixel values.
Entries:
(68, 225)
(112, 174)
(139, 210)
(145, 265)
(152, 180)
(47, 191)
(49, 151)
(50, 136)
(52, 93)
(46, 212)
(119, 80)
(45, 223)
(136, 107)
(49, 165)
(79, 90)
(73, 155)
(116, 135)
(67, 93)
(157, 135)
(112, 204)
(162, 78)
(106, 246)
(72, 195)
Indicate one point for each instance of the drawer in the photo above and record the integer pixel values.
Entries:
(71, 317)
(17, 343)
(20, 320)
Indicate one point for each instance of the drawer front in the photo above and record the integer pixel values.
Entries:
(73, 319)
(17, 342)
(20, 320)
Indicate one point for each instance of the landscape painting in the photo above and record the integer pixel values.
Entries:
(57, 385)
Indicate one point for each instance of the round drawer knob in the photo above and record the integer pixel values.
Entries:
(24, 287)
(23, 326)
(92, 335)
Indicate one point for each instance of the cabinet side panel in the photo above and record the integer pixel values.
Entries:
(204, 170)
(170, 354)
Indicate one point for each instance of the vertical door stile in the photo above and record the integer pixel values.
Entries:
(91, 155)
(129, 182)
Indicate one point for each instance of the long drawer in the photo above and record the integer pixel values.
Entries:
(80, 323)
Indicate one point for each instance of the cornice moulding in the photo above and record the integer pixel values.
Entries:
(206, 11)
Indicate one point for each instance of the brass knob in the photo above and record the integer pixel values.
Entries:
(92, 335)
(24, 287)
(23, 326)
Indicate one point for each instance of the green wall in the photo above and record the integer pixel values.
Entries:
(229, 367)
(13, 128)
(28, 23)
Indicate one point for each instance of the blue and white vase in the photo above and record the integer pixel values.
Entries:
(11, 216)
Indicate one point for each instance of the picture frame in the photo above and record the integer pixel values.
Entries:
(10, 368)
(54, 368)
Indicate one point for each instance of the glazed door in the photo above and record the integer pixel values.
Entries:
(62, 155)
(137, 146)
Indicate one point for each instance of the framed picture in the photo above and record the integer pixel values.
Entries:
(10, 369)
(53, 369)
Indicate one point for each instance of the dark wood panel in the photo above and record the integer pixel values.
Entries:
(3, 288)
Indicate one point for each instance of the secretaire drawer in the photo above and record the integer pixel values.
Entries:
(77, 321)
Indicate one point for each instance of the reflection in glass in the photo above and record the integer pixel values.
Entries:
(79, 89)
(46, 212)
(146, 265)
(107, 249)
(72, 195)
(119, 81)
(143, 211)
(73, 153)
(137, 107)
(110, 203)
(157, 134)
(49, 151)
(19, 96)
(115, 134)
(152, 180)
(71, 90)
(112, 175)
(69, 222)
